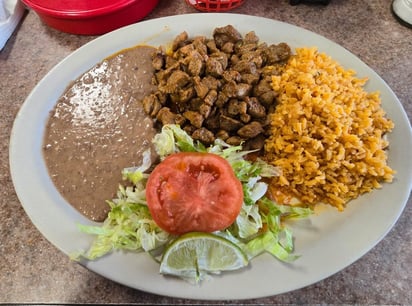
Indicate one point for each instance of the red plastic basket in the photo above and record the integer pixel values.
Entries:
(214, 5)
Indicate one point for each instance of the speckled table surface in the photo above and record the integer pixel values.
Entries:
(33, 271)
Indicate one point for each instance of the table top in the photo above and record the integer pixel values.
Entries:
(32, 270)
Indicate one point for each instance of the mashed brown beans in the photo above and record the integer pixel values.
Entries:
(97, 128)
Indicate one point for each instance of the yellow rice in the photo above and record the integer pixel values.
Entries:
(327, 132)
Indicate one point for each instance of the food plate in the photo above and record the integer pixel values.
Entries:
(328, 242)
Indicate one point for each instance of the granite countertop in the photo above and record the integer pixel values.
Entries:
(32, 270)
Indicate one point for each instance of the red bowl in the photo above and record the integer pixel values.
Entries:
(90, 17)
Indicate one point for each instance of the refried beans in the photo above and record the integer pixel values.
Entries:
(98, 127)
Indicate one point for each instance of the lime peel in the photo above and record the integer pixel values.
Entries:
(194, 255)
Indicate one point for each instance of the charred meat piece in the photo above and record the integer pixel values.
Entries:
(196, 64)
(232, 75)
(228, 47)
(242, 49)
(206, 108)
(250, 130)
(268, 98)
(255, 143)
(158, 60)
(182, 96)
(211, 97)
(162, 75)
(265, 93)
(251, 38)
(250, 78)
(255, 109)
(216, 64)
(212, 122)
(222, 58)
(184, 51)
(189, 129)
(263, 86)
(166, 116)
(151, 105)
(226, 34)
(200, 45)
(178, 79)
(179, 40)
(195, 118)
(214, 67)
(237, 90)
(222, 98)
(230, 89)
(254, 56)
(201, 88)
(245, 66)
(236, 107)
(212, 82)
(211, 46)
(222, 134)
(245, 118)
(171, 63)
(229, 124)
(234, 140)
(277, 53)
(195, 104)
(203, 135)
(234, 58)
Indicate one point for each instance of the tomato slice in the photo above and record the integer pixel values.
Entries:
(192, 191)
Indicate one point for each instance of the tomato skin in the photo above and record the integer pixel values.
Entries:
(191, 191)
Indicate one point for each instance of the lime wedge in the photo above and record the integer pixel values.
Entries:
(194, 255)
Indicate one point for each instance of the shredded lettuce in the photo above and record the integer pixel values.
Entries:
(173, 139)
(129, 226)
(259, 227)
(276, 239)
(270, 242)
(249, 221)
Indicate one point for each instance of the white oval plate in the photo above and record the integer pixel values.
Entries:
(328, 243)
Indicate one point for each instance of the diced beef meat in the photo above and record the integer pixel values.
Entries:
(179, 41)
(196, 64)
(214, 67)
(158, 60)
(229, 124)
(245, 66)
(178, 79)
(250, 130)
(203, 135)
(277, 53)
(255, 143)
(234, 140)
(236, 107)
(255, 109)
(219, 87)
(231, 75)
(151, 105)
(236, 90)
(201, 88)
(226, 34)
(195, 118)
(166, 116)
(251, 38)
